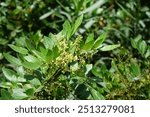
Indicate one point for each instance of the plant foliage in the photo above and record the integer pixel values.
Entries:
(74, 49)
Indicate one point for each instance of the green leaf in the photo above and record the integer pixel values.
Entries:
(21, 79)
(46, 15)
(99, 40)
(48, 42)
(74, 67)
(29, 44)
(36, 38)
(135, 69)
(5, 95)
(89, 42)
(31, 65)
(21, 41)
(6, 84)
(142, 47)
(88, 68)
(88, 46)
(67, 29)
(1, 56)
(77, 24)
(20, 50)
(96, 95)
(135, 41)
(94, 6)
(27, 86)
(3, 41)
(43, 51)
(147, 54)
(30, 92)
(49, 56)
(9, 74)
(110, 47)
(35, 82)
(126, 11)
(31, 59)
(40, 55)
(18, 94)
(113, 67)
(55, 52)
(96, 72)
(12, 59)
(89, 38)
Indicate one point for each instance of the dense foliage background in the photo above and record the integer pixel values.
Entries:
(75, 49)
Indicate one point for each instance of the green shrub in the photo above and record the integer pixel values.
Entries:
(46, 62)
(50, 62)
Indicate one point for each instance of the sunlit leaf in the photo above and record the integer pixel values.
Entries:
(12, 59)
(147, 54)
(74, 67)
(18, 94)
(135, 41)
(46, 15)
(77, 24)
(9, 74)
(88, 68)
(96, 95)
(99, 40)
(31, 58)
(109, 47)
(94, 6)
(40, 55)
(89, 42)
(48, 42)
(31, 65)
(35, 82)
(20, 50)
(142, 47)
(67, 29)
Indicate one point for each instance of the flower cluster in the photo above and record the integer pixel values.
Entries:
(69, 52)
